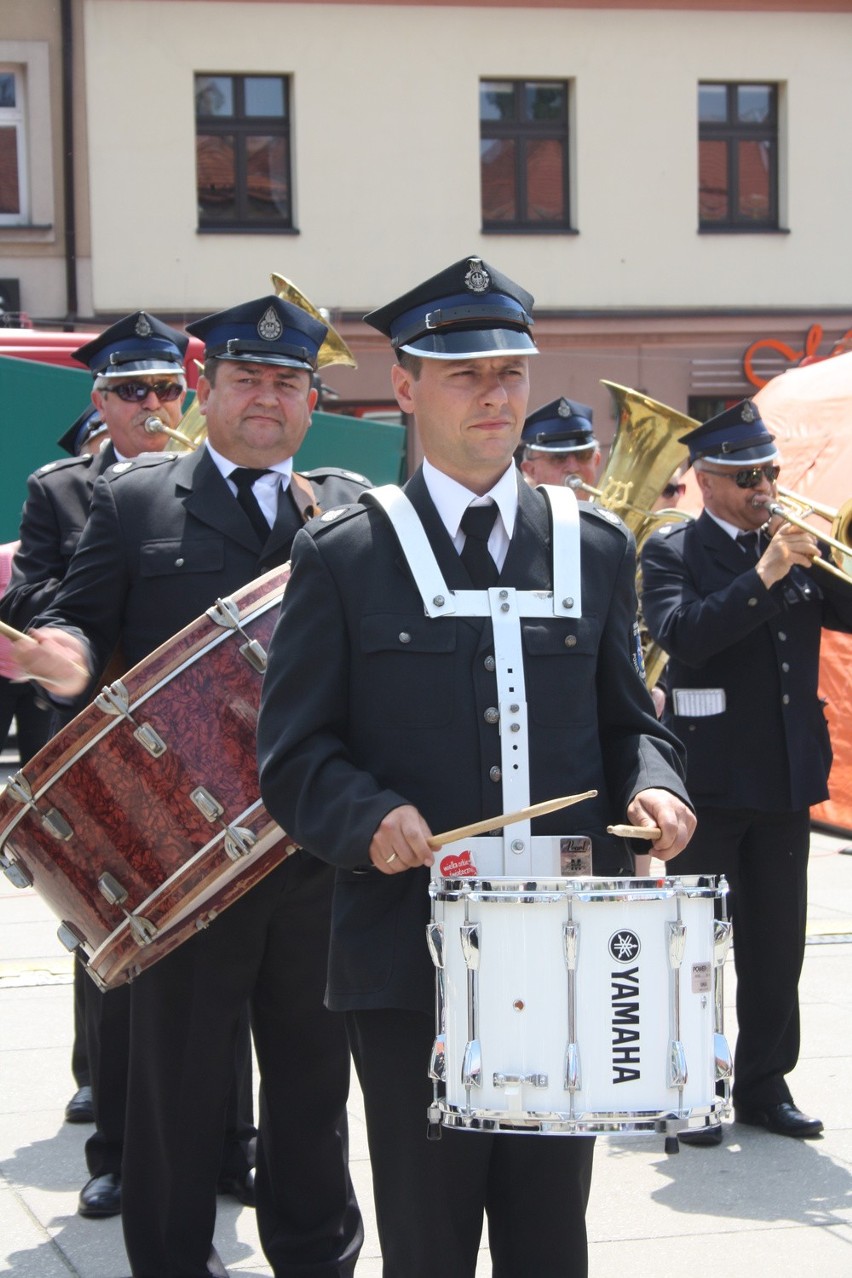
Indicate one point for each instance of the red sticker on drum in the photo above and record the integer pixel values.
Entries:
(458, 865)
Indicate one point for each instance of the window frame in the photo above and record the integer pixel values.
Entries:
(240, 126)
(16, 117)
(522, 130)
(732, 132)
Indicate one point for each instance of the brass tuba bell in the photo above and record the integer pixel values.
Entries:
(646, 452)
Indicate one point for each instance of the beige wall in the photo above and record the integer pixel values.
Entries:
(386, 137)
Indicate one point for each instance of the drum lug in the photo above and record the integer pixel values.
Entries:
(572, 1068)
(70, 937)
(438, 1060)
(21, 788)
(210, 808)
(54, 822)
(722, 936)
(435, 941)
(238, 842)
(16, 873)
(112, 891)
(677, 943)
(470, 945)
(225, 613)
(678, 1073)
(116, 700)
(472, 1064)
(722, 1054)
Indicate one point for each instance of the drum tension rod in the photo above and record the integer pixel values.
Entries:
(239, 841)
(225, 613)
(142, 930)
(52, 820)
(116, 700)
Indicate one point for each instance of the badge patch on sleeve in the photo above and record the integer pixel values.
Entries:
(638, 659)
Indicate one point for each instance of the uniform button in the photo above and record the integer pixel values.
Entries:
(495, 774)
(785, 666)
(492, 715)
(782, 636)
(179, 563)
(404, 636)
(490, 663)
(785, 699)
(692, 727)
(570, 641)
(752, 603)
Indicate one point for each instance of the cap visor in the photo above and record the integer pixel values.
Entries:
(472, 344)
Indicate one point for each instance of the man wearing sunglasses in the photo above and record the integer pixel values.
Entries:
(138, 369)
(558, 442)
(735, 600)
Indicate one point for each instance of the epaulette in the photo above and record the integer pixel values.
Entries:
(63, 463)
(335, 516)
(138, 463)
(602, 512)
(323, 472)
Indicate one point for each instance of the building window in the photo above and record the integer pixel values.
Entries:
(737, 156)
(524, 155)
(242, 144)
(14, 203)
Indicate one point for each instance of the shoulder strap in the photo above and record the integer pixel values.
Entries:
(304, 497)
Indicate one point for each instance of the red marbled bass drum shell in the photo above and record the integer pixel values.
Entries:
(141, 820)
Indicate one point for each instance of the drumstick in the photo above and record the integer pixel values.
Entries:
(16, 635)
(508, 818)
(635, 831)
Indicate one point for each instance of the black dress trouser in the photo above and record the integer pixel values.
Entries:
(764, 857)
(269, 948)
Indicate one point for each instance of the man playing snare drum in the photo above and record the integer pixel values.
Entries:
(400, 736)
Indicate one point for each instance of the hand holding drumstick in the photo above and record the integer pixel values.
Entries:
(51, 657)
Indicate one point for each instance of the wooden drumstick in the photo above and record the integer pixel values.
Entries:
(635, 831)
(508, 818)
(17, 635)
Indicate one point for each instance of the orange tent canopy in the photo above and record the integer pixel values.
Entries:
(809, 410)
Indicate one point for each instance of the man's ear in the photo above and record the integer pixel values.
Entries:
(401, 380)
(202, 394)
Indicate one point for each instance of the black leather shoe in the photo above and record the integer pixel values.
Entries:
(101, 1196)
(783, 1119)
(702, 1135)
(240, 1188)
(80, 1108)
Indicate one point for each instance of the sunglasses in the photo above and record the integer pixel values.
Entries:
(749, 478)
(674, 490)
(136, 392)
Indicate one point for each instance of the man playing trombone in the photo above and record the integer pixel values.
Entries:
(735, 601)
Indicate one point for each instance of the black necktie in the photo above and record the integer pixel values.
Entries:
(748, 541)
(476, 524)
(244, 477)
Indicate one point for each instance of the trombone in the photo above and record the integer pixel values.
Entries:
(795, 509)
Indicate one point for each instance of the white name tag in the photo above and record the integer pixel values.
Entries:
(696, 703)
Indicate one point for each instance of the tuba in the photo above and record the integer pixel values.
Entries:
(646, 452)
(192, 427)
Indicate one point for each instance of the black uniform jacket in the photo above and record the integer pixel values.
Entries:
(769, 748)
(159, 548)
(367, 704)
(59, 496)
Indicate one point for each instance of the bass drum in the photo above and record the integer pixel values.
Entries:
(141, 820)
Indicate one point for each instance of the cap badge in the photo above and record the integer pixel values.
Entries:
(564, 409)
(477, 279)
(747, 413)
(269, 325)
(143, 326)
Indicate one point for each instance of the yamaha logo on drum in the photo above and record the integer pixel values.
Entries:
(624, 946)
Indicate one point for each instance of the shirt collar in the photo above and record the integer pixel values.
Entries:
(731, 529)
(452, 498)
(284, 469)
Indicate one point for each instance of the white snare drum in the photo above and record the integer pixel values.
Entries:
(573, 1006)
